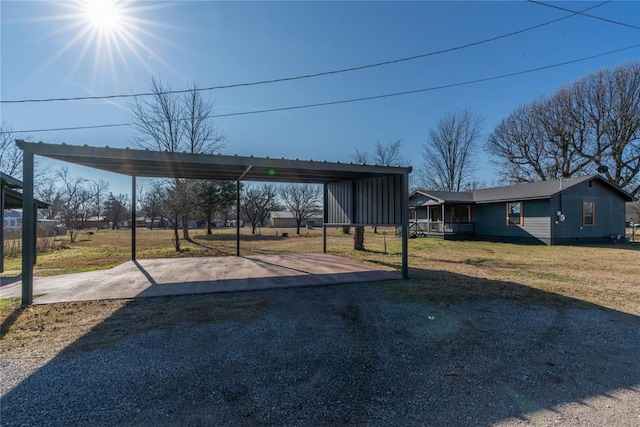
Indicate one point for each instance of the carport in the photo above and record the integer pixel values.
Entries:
(354, 194)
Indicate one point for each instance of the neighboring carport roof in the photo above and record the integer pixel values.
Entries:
(12, 197)
(146, 163)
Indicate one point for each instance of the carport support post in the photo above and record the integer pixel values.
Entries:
(405, 226)
(238, 218)
(1, 228)
(133, 218)
(28, 228)
(325, 214)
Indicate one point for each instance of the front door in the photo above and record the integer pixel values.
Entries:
(435, 218)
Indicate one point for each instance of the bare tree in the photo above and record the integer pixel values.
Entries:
(383, 154)
(152, 199)
(157, 119)
(609, 103)
(448, 153)
(10, 154)
(98, 190)
(76, 203)
(302, 200)
(173, 123)
(199, 131)
(256, 202)
(592, 124)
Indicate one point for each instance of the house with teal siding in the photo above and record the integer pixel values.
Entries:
(587, 209)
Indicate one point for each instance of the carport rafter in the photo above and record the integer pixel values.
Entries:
(371, 179)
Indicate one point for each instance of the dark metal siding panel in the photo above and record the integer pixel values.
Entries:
(378, 201)
(397, 189)
(340, 202)
(368, 201)
(385, 201)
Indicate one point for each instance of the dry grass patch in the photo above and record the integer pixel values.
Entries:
(51, 328)
(441, 271)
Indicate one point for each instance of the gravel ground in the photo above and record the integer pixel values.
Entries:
(345, 355)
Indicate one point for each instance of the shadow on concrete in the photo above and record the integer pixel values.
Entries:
(439, 349)
(145, 273)
(5, 281)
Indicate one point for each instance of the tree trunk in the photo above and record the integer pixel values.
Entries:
(209, 215)
(185, 226)
(298, 227)
(358, 238)
(176, 236)
(346, 229)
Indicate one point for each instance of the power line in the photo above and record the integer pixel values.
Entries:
(611, 21)
(351, 100)
(312, 75)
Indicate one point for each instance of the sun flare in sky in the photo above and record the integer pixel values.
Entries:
(103, 15)
(110, 35)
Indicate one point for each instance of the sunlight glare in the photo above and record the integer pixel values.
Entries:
(117, 33)
(103, 14)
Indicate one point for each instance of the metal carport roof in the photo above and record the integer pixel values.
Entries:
(147, 163)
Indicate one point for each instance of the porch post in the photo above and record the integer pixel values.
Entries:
(28, 227)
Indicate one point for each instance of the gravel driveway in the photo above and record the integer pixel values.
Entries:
(344, 355)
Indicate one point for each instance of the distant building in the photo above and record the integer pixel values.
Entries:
(285, 219)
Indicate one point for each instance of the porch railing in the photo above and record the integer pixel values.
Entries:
(426, 227)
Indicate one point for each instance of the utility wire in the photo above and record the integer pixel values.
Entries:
(611, 21)
(351, 100)
(308, 76)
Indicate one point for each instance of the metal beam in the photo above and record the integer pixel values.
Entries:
(325, 216)
(1, 228)
(28, 227)
(405, 226)
(238, 218)
(133, 218)
(245, 172)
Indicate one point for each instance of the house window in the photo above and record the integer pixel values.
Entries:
(514, 213)
(465, 214)
(460, 214)
(588, 213)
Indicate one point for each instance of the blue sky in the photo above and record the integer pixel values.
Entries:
(218, 43)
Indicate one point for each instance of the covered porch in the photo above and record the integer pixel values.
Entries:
(440, 214)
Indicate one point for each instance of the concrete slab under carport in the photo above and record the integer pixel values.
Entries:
(183, 276)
